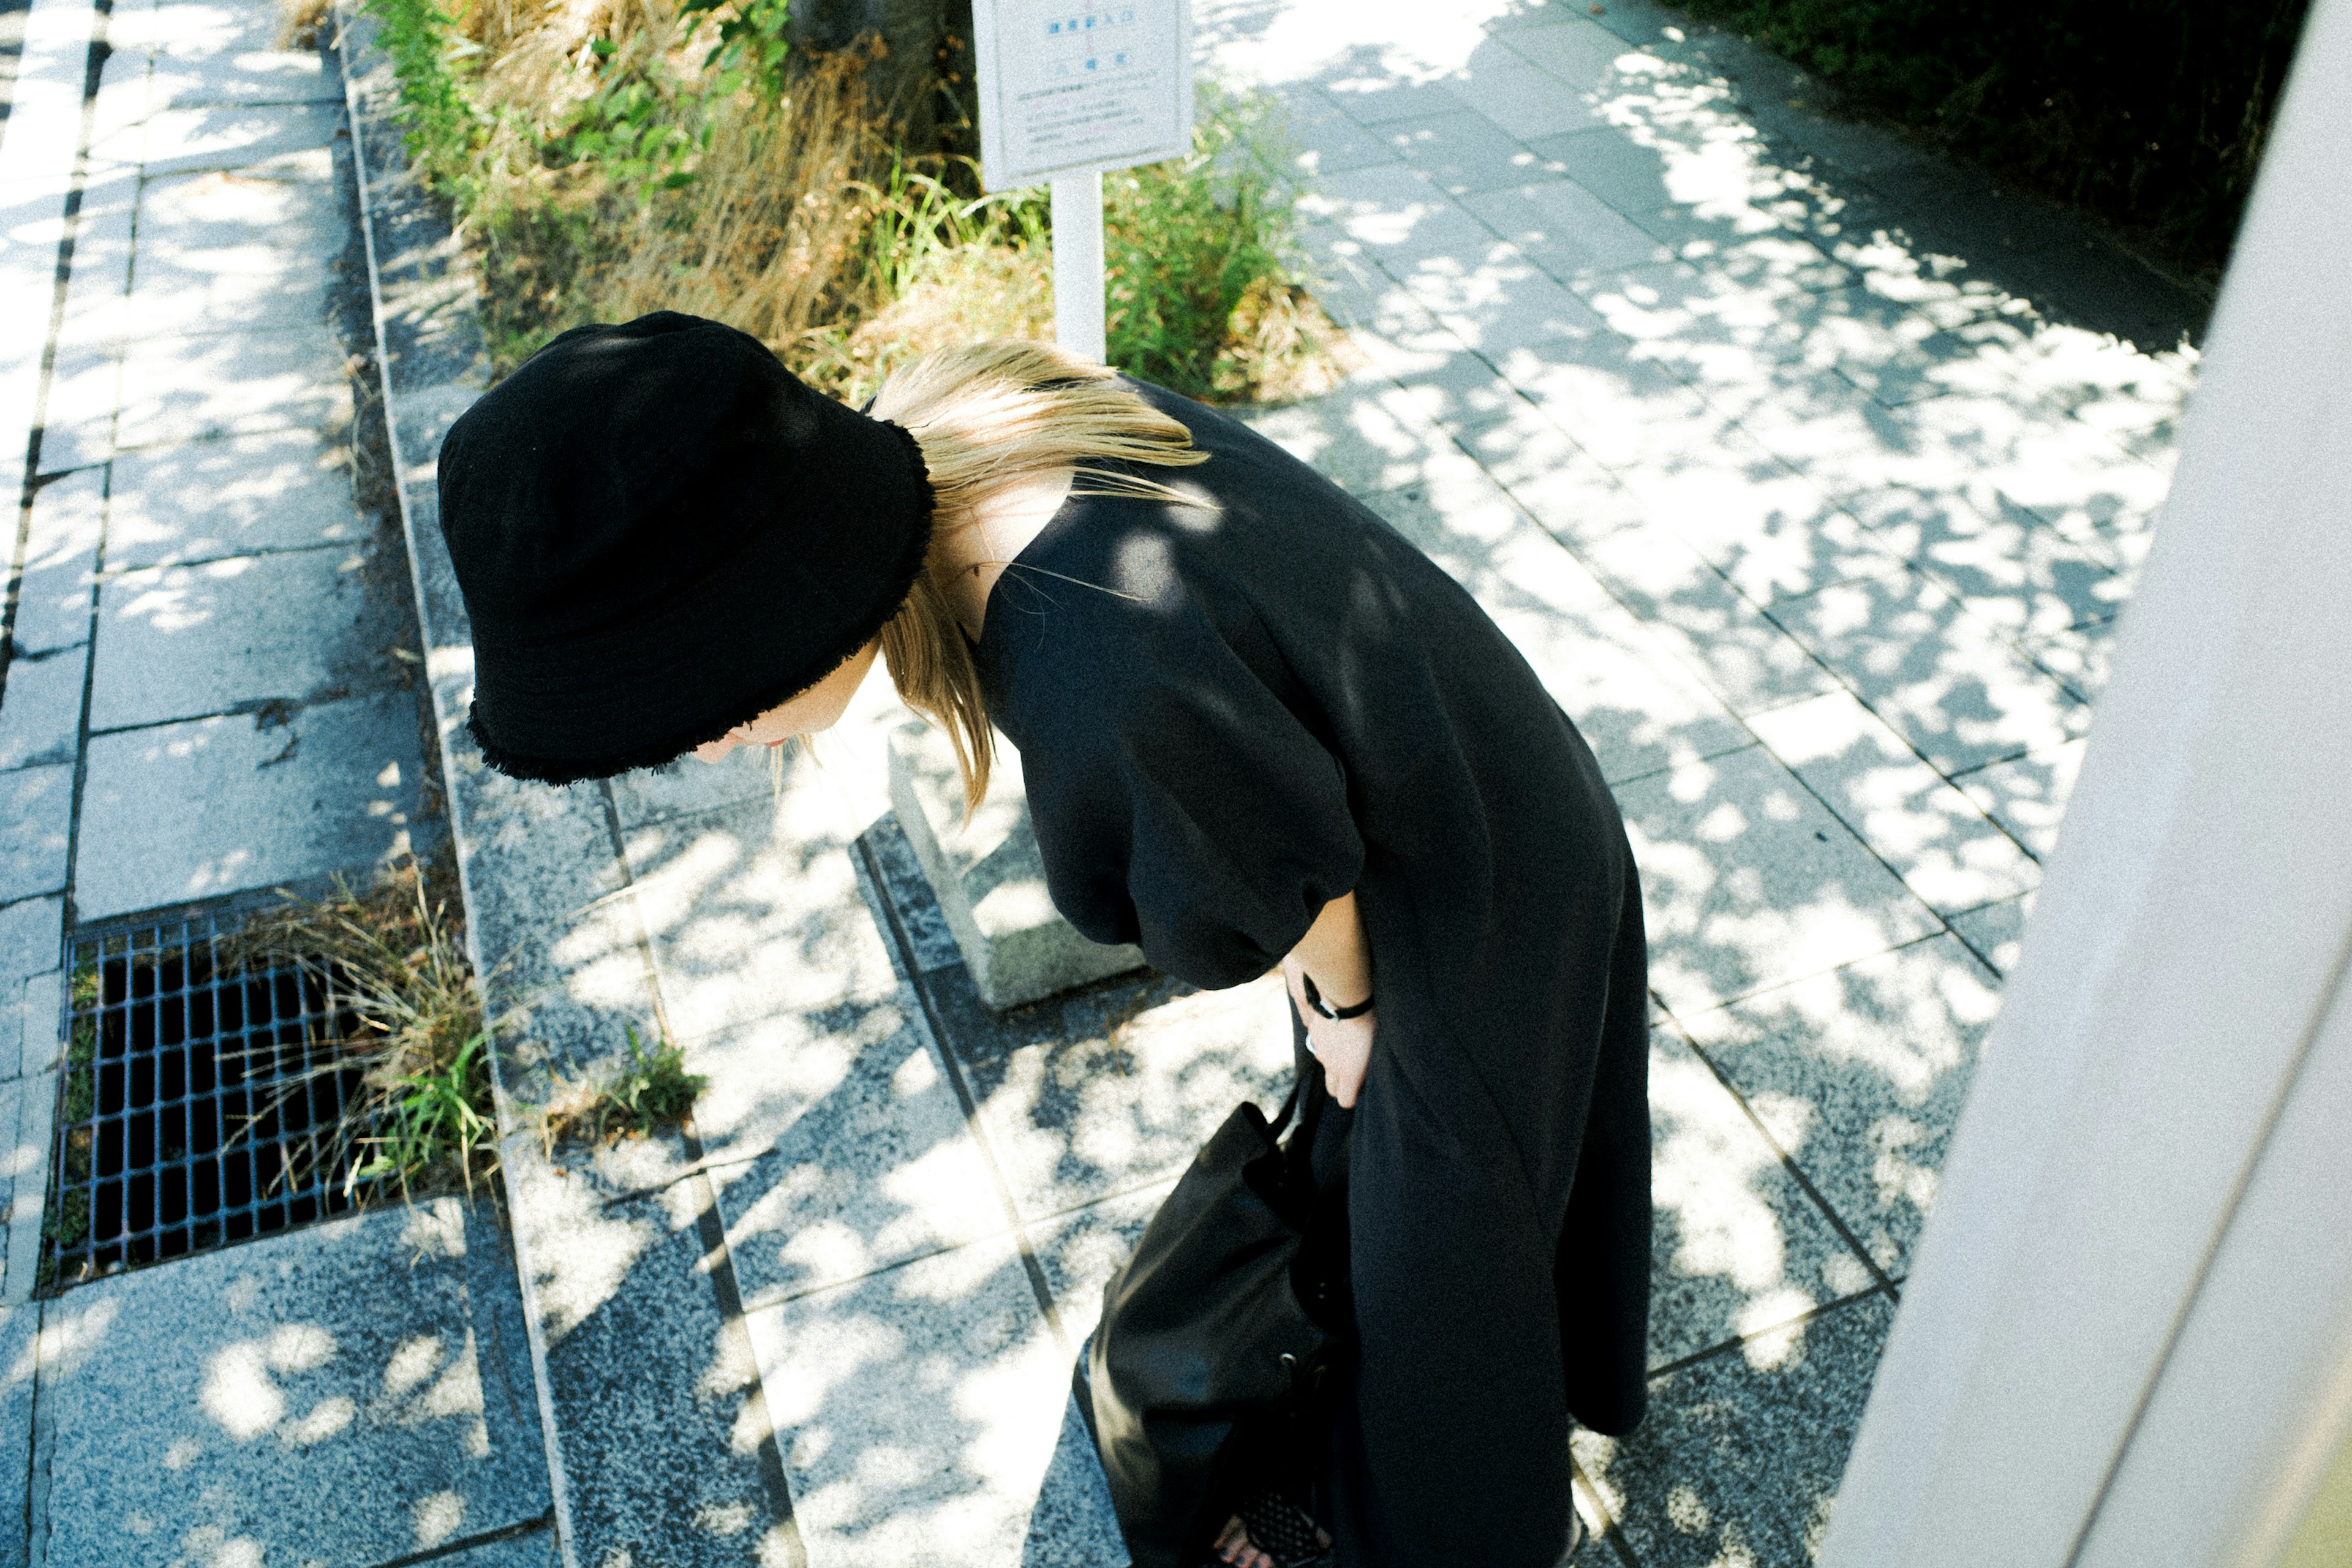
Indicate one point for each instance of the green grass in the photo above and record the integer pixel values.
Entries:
(672, 159)
(393, 958)
(652, 1091)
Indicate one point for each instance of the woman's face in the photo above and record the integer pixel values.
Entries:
(818, 708)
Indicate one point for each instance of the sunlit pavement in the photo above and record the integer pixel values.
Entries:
(1812, 474)
(1808, 475)
(212, 689)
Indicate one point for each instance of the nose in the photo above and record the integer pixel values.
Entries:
(712, 751)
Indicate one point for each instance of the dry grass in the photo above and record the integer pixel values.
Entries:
(393, 962)
(653, 1091)
(299, 22)
(604, 159)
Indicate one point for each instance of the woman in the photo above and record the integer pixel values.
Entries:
(1258, 730)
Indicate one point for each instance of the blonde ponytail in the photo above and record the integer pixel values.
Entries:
(989, 415)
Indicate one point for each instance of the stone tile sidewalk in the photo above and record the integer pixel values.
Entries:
(1811, 477)
(210, 689)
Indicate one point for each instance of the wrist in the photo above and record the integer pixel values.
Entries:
(1328, 1009)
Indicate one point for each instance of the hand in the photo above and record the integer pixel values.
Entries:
(1344, 1045)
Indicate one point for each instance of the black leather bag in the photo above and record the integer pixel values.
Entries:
(1209, 1370)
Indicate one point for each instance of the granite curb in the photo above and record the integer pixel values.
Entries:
(659, 1447)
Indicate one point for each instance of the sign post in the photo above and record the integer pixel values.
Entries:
(1067, 92)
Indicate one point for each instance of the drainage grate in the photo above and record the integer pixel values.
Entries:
(200, 1103)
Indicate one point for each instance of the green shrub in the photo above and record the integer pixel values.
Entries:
(2151, 115)
(608, 162)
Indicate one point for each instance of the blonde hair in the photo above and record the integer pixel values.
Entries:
(989, 415)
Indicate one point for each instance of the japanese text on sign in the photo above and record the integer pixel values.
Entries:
(1067, 90)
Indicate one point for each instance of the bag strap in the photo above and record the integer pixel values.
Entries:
(1289, 1106)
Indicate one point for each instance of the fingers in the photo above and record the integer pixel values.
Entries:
(1232, 1545)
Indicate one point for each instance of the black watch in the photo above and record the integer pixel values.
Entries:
(1314, 1000)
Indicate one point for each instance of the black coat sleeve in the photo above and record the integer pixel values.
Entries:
(1180, 806)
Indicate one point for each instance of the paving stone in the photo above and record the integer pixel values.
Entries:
(655, 1394)
(378, 1361)
(78, 413)
(40, 707)
(1958, 694)
(2011, 570)
(19, 1330)
(2069, 475)
(284, 139)
(2028, 794)
(34, 1050)
(690, 788)
(565, 957)
(1677, 195)
(1639, 713)
(1578, 54)
(1381, 103)
(1738, 323)
(1750, 882)
(207, 500)
(207, 806)
(1505, 302)
(1080, 1250)
(302, 626)
(989, 876)
(1932, 834)
(1997, 931)
(1740, 1458)
(2079, 655)
(32, 940)
(752, 911)
(1863, 1070)
(103, 241)
(60, 566)
(1746, 658)
(225, 252)
(1564, 229)
(1769, 532)
(1461, 151)
(1327, 140)
(1397, 215)
(857, 1156)
(1367, 440)
(1117, 1088)
(534, 1549)
(35, 825)
(214, 55)
(35, 1138)
(1522, 99)
(918, 1410)
(193, 389)
(1739, 1249)
(1576, 499)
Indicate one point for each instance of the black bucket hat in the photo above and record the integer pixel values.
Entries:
(660, 534)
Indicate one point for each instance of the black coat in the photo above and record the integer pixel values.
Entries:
(1253, 706)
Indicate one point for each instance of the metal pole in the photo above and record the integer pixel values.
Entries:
(1079, 266)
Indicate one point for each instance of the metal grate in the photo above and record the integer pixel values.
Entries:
(200, 1103)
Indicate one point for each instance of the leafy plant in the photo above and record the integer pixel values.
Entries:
(652, 1091)
(677, 154)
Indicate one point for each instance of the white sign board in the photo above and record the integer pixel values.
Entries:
(1080, 89)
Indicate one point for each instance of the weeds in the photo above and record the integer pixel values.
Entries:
(392, 959)
(655, 1090)
(609, 157)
